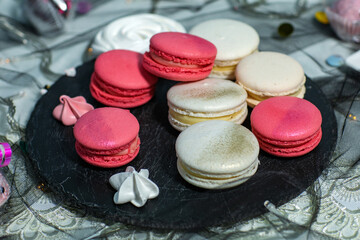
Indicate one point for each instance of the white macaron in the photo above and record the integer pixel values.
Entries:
(233, 39)
(217, 154)
(270, 74)
(208, 99)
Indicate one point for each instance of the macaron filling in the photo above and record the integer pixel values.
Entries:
(299, 93)
(106, 93)
(211, 181)
(184, 62)
(224, 68)
(122, 150)
(171, 63)
(245, 173)
(111, 89)
(121, 155)
(191, 119)
(230, 65)
(291, 148)
(148, 60)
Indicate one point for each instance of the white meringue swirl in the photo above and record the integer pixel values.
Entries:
(133, 186)
(133, 32)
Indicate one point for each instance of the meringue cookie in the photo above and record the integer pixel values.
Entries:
(133, 33)
(133, 186)
(71, 109)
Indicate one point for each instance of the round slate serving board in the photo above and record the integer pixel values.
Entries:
(179, 205)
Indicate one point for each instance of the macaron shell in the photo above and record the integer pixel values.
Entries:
(279, 75)
(286, 118)
(233, 39)
(183, 45)
(123, 69)
(218, 148)
(106, 128)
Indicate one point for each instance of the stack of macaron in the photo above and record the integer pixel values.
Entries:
(217, 67)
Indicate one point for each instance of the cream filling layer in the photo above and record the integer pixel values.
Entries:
(208, 113)
(215, 181)
(215, 176)
(190, 120)
(229, 63)
(224, 68)
(165, 62)
(262, 98)
(273, 94)
(132, 148)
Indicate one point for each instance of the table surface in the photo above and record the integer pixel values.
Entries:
(328, 209)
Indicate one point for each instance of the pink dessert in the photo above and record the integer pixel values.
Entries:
(119, 80)
(286, 126)
(4, 190)
(107, 137)
(179, 56)
(349, 9)
(71, 109)
(344, 18)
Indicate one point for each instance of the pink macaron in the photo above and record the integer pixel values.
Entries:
(107, 137)
(119, 80)
(179, 56)
(286, 126)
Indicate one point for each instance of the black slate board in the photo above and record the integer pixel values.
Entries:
(179, 205)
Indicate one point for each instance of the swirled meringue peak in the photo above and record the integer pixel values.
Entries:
(133, 186)
(71, 109)
(133, 33)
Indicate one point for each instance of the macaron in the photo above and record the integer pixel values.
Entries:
(216, 154)
(179, 56)
(207, 99)
(133, 32)
(269, 74)
(107, 137)
(286, 126)
(119, 80)
(233, 39)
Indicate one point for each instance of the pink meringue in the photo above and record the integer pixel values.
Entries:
(71, 109)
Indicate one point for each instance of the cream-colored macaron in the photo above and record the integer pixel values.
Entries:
(208, 99)
(233, 39)
(269, 74)
(217, 154)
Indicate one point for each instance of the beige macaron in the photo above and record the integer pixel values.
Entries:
(207, 99)
(217, 154)
(233, 39)
(269, 74)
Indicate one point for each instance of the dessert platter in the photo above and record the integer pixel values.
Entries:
(179, 205)
(144, 137)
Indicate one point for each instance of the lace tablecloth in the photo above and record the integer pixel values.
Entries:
(330, 208)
